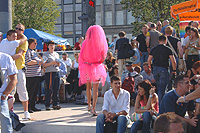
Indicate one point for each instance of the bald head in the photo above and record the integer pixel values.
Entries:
(165, 22)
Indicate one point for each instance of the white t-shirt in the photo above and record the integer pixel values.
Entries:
(68, 62)
(9, 47)
(185, 41)
(8, 68)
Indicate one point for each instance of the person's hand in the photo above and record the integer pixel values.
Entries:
(153, 81)
(108, 117)
(54, 63)
(193, 121)
(40, 63)
(180, 100)
(152, 91)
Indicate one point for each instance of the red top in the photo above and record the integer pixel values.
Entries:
(77, 46)
(156, 107)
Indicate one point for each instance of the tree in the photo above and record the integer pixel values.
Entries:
(147, 11)
(37, 14)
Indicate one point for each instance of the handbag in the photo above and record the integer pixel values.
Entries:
(181, 65)
(137, 116)
(111, 127)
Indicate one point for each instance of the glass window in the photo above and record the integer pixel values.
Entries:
(67, 1)
(107, 2)
(68, 8)
(59, 19)
(57, 28)
(79, 32)
(98, 18)
(78, 1)
(78, 7)
(98, 2)
(117, 1)
(78, 14)
(68, 17)
(119, 18)
(78, 26)
(108, 18)
(68, 28)
(70, 40)
(130, 18)
(57, 1)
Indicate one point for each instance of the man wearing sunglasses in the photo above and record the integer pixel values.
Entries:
(168, 103)
(19, 58)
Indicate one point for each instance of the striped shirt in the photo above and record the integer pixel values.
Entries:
(32, 70)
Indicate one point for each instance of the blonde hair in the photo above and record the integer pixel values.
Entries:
(169, 30)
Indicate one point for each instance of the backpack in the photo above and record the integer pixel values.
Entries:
(129, 50)
(129, 84)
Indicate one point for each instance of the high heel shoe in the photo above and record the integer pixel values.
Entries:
(94, 112)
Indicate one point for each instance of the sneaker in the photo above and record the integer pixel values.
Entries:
(48, 108)
(27, 115)
(57, 107)
(35, 109)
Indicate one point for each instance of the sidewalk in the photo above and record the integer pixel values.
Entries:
(71, 118)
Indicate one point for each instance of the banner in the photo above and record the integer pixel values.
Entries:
(183, 7)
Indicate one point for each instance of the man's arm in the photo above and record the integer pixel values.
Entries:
(11, 85)
(173, 61)
(150, 59)
(180, 49)
(18, 55)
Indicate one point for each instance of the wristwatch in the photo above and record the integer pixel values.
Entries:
(4, 96)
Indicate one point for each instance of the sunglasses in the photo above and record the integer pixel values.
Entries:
(19, 29)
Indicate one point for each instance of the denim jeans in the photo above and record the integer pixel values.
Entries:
(122, 122)
(177, 72)
(161, 76)
(52, 80)
(6, 123)
(144, 124)
(144, 58)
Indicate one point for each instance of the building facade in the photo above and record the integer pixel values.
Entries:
(108, 13)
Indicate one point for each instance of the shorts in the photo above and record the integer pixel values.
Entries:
(21, 86)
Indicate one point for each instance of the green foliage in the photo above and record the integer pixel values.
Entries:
(147, 10)
(37, 14)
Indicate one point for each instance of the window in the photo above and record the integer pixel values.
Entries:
(58, 1)
(68, 29)
(78, 28)
(130, 18)
(57, 28)
(98, 18)
(78, 14)
(78, 7)
(98, 2)
(70, 40)
(68, 8)
(59, 19)
(119, 18)
(106, 2)
(117, 1)
(68, 18)
(78, 1)
(67, 1)
(108, 18)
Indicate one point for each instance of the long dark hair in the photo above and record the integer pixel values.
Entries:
(146, 85)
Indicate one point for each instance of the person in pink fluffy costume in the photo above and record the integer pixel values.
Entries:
(91, 67)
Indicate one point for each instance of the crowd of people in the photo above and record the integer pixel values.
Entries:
(143, 72)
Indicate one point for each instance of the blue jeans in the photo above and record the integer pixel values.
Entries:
(6, 123)
(122, 122)
(144, 124)
(52, 80)
(144, 58)
(161, 76)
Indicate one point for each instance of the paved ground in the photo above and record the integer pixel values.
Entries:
(71, 118)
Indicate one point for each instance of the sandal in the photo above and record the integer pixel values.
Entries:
(89, 109)
(94, 112)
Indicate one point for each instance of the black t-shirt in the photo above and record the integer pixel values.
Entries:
(120, 47)
(161, 55)
(142, 40)
(173, 41)
(168, 104)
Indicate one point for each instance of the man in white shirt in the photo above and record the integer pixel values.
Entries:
(10, 44)
(118, 101)
(67, 61)
(10, 71)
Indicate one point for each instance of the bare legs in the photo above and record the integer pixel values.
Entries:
(95, 96)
